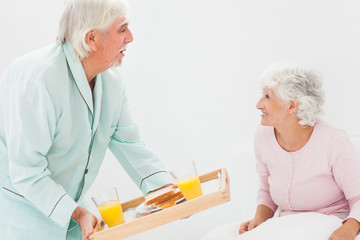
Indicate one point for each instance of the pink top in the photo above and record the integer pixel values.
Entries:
(323, 176)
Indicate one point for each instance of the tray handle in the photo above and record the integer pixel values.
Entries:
(100, 225)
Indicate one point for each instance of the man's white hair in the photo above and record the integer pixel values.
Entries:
(82, 16)
(295, 82)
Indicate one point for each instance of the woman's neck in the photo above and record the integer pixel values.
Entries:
(293, 136)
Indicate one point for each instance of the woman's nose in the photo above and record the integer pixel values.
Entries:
(259, 104)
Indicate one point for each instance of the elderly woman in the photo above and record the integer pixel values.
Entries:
(61, 107)
(304, 163)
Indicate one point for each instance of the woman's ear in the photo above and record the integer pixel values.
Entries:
(293, 106)
(91, 39)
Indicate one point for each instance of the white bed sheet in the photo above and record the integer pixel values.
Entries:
(309, 226)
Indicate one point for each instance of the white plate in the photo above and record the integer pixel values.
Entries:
(144, 210)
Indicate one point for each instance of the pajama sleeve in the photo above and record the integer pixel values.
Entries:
(142, 165)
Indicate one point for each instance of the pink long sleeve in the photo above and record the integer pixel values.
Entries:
(263, 196)
(346, 170)
(323, 176)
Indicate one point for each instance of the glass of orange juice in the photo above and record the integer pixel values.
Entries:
(109, 206)
(187, 179)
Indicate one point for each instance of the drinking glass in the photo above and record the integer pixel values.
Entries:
(108, 204)
(187, 179)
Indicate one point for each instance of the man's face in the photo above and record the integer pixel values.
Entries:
(113, 43)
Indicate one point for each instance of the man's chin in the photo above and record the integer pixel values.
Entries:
(116, 64)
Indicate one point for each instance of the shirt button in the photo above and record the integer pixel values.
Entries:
(86, 171)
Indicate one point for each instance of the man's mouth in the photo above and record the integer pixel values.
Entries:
(121, 51)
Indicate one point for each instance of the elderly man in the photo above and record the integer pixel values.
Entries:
(61, 107)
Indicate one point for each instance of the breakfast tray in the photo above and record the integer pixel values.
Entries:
(179, 211)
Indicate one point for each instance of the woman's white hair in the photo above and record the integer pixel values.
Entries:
(82, 16)
(295, 82)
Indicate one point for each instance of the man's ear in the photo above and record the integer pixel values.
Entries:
(293, 106)
(91, 39)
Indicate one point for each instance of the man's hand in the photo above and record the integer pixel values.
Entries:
(86, 221)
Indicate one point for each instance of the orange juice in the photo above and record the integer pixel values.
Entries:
(111, 212)
(190, 186)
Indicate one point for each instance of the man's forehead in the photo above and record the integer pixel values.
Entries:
(122, 21)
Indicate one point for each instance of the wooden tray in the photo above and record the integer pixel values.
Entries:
(170, 214)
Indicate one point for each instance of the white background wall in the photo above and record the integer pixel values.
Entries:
(192, 76)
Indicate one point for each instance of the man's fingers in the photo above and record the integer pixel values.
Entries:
(87, 234)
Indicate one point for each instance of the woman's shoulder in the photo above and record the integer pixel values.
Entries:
(326, 129)
(330, 136)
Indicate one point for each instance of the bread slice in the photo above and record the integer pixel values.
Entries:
(168, 200)
(155, 196)
(165, 195)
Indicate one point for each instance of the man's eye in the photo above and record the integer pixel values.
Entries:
(122, 29)
(267, 96)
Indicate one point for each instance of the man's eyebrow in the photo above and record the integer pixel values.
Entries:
(124, 25)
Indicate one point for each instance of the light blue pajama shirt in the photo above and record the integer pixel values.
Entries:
(53, 136)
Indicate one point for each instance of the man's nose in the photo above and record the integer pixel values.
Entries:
(129, 37)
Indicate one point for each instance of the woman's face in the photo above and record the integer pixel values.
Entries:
(274, 109)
